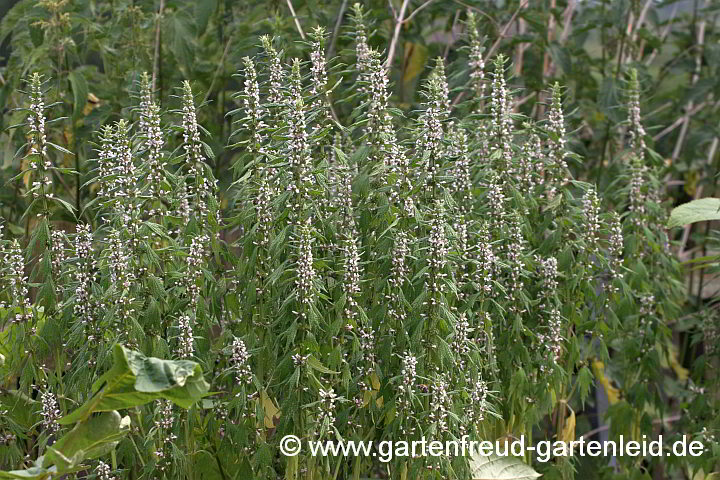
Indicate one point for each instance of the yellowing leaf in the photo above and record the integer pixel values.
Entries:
(671, 361)
(92, 102)
(26, 177)
(612, 393)
(415, 59)
(375, 381)
(691, 180)
(272, 412)
(568, 431)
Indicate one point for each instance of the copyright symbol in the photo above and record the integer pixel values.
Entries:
(290, 445)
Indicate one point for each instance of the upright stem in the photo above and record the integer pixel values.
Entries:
(156, 59)
(396, 35)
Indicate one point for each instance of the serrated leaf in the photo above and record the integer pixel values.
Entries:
(584, 382)
(60, 149)
(203, 11)
(315, 364)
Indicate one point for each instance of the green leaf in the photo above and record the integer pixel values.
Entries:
(80, 92)
(500, 468)
(203, 10)
(584, 382)
(20, 408)
(38, 473)
(135, 379)
(695, 211)
(315, 364)
(60, 149)
(561, 57)
(89, 439)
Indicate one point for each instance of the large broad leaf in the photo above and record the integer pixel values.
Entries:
(32, 473)
(494, 467)
(136, 379)
(90, 439)
(695, 211)
(37, 472)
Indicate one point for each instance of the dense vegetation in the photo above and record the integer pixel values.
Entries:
(354, 222)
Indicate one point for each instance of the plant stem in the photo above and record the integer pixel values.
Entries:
(396, 35)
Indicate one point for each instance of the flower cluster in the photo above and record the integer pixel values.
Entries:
(326, 411)
(591, 214)
(487, 261)
(362, 50)
(239, 361)
(120, 261)
(202, 184)
(477, 63)
(440, 404)
(437, 258)
(305, 269)
(551, 340)
(13, 259)
(103, 471)
(615, 249)
(636, 130)
(153, 139)
(299, 159)
(351, 276)
(50, 410)
(408, 375)
(254, 110)
(461, 341)
(382, 136)
(186, 339)
(318, 72)
(38, 153)
(432, 122)
(164, 424)
(556, 141)
(197, 253)
(277, 72)
(501, 126)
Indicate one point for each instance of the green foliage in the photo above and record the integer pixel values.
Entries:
(136, 379)
(350, 247)
(703, 210)
(95, 436)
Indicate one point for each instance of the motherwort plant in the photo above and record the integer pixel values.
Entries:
(382, 275)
